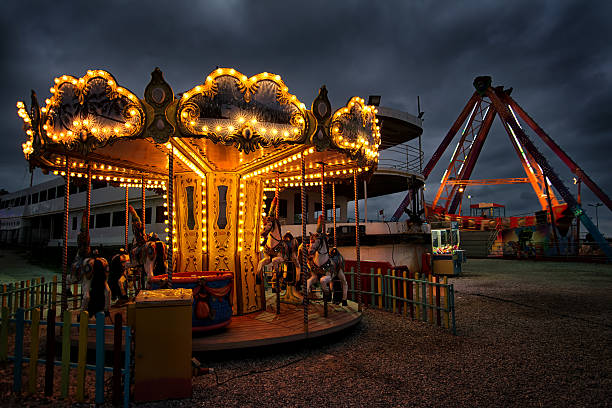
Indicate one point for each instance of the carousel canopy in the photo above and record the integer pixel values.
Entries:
(230, 122)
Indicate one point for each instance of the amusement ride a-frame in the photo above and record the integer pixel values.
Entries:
(478, 115)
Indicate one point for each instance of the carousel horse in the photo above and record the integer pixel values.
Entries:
(117, 279)
(291, 278)
(82, 267)
(147, 252)
(280, 250)
(275, 247)
(325, 264)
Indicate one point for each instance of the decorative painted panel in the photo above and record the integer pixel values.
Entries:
(251, 190)
(222, 200)
(188, 205)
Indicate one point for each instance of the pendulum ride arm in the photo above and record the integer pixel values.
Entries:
(456, 164)
(450, 135)
(549, 173)
(559, 152)
(469, 107)
(472, 158)
(528, 166)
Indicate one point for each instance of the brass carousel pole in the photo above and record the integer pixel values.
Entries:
(144, 212)
(170, 212)
(323, 213)
(88, 199)
(277, 273)
(303, 257)
(64, 299)
(357, 252)
(127, 219)
(334, 205)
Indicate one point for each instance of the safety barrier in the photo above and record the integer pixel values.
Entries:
(31, 294)
(36, 326)
(398, 290)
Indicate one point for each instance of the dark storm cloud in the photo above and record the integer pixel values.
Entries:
(555, 54)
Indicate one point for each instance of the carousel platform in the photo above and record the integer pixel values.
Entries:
(267, 328)
(257, 329)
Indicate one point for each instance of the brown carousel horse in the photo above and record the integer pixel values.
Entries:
(82, 267)
(147, 252)
(280, 250)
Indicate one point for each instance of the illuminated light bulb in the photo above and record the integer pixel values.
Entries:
(230, 128)
(198, 88)
(209, 78)
(192, 123)
(48, 101)
(244, 78)
(285, 133)
(184, 114)
(52, 90)
(253, 121)
(274, 131)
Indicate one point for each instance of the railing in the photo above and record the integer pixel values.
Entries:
(404, 157)
(31, 294)
(36, 324)
(398, 290)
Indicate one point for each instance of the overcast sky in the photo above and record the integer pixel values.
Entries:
(555, 54)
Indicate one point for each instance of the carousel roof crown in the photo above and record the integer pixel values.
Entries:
(92, 117)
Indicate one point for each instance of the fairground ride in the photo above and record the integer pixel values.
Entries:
(213, 150)
(478, 115)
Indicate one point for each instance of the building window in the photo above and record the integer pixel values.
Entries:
(159, 214)
(51, 193)
(82, 188)
(103, 220)
(96, 184)
(74, 223)
(43, 195)
(34, 198)
(118, 218)
(282, 208)
(60, 191)
(147, 214)
(91, 221)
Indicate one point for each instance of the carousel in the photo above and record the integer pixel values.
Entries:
(215, 152)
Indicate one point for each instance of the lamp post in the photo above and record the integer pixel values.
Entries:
(470, 197)
(596, 205)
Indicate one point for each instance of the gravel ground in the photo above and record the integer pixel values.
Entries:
(528, 334)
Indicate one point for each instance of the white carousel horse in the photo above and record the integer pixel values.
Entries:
(151, 256)
(274, 248)
(327, 264)
(279, 250)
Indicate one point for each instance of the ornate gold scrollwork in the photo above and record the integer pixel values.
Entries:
(355, 130)
(89, 112)
(232, 109)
